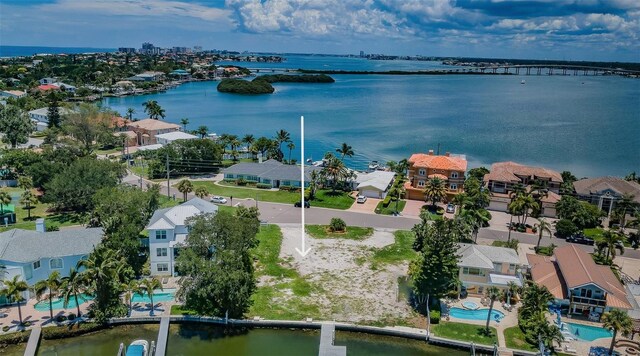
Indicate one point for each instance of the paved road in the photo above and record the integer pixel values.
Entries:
(278, 213)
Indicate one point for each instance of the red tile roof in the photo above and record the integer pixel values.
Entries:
(509, 172)
(45, 87)
(544, 272)
(438, 162)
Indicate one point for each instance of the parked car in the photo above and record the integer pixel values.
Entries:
(580, 238)
(298, 204)
(218, 199)
(451, 208)
(361, 199)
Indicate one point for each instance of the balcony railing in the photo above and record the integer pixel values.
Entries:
(589, 301)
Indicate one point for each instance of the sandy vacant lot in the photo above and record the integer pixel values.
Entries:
(353, 289)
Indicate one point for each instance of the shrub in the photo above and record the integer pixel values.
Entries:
(5, 328)
(52, 227)
(241, 181)
(434, 316)
(61, 318)
(440, 211)
(72, 316)
(61, 332)
(337, 224)
(263, 186)
(386, 201)
(14, 337)
(565, 228)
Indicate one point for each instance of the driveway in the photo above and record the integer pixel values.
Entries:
(368, 206)
(412, 208)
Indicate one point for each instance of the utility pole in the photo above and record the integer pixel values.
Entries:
(168, 185)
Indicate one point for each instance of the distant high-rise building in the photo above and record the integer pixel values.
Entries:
(127, 50)
(361, 53)
(148, 48)
(179, 50)
(197, 49)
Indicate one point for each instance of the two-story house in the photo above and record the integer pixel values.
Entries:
(168, 230)
(34, 255)
(147, 130)
(505, 175)
(422, 167)
(578, 282)
(484, 266)
(604, 192)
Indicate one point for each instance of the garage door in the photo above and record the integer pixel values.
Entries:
(498, 206)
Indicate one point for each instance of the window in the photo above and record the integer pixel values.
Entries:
(454, 174)
(161, 252)
(512, 268)
(497, 267)
(28, 272)
(163, 267)
(420, 183)
(472, 271)
(55, 263)
(453, 187)
(161, 234)
(422, 172)
(36, 265)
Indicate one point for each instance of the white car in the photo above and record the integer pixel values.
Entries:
(361, 199)
(218, 199)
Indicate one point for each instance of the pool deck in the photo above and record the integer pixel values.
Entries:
(581, 346)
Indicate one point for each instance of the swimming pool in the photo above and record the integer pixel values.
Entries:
(158, 296)
(58, 303)
(470, 305)
(478, 314)
(588, 332)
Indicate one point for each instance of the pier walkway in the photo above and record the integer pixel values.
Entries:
(327, 337)
(163, 334)
(34, 341)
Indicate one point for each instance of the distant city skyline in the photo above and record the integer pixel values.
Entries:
(599, 30)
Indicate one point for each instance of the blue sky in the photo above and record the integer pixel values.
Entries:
(554, 29)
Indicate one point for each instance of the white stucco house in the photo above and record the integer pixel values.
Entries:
(167, 138)
(33, 255)
(167, 231)
(375, 184)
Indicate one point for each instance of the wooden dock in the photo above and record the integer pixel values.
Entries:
(34, 341)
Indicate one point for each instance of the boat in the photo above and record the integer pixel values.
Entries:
(138, 348)
(522, 81)
(373, 165)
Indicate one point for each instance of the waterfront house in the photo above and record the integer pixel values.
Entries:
(148, 129)
(16, 94)
(374, 184)
(40, 117)
(167, 138)
(149, 76)
(604, 192)
(47, 80)
(33, 255)
(578, 282)
(65, 87)
(483, 266)
(505, 175)
(422, 167)
(272, 172)
(47, 87)
(168, 230)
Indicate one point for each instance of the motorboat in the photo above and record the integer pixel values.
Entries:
(373, 165)
(138, 348)
(522, 81)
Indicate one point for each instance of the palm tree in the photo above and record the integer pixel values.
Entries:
(460, 200)
(25, 182)
(345, 150)
(248, 139)
(28, 199)
(184, 122)
(512, 290)
(542, 226)
(493, 293)
(617, 320)
(185, 187)
(202, 131)
(153, 109)
(612, 241)
(14, 290)
(550, 333)
(72, 285)
(51, 284)
(202, 192)
(148, 286)
(476, 219)
(625, 205)
(522, 205)
(282, 136)
(130, 112)
(290, 146)
(435, 190)
(235, 143)
(130, 289)
(224, 141)
(401, 167)
(314, 177)
(5, 199)
(334, 170)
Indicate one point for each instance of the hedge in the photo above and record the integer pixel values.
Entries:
(434, 316)
(263, 186)
(61, 332)
(386, 201)
(15, 337)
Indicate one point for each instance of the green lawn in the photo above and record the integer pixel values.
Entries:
(352, 233)
(465, 332)
(272, 301)
(40, 210)
(514, 338)
(181, 310)
(391, 209)
(593, 233)
(400, 250)
(333, 200)
(279, 196)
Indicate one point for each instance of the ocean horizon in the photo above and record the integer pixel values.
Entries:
(18, 51)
